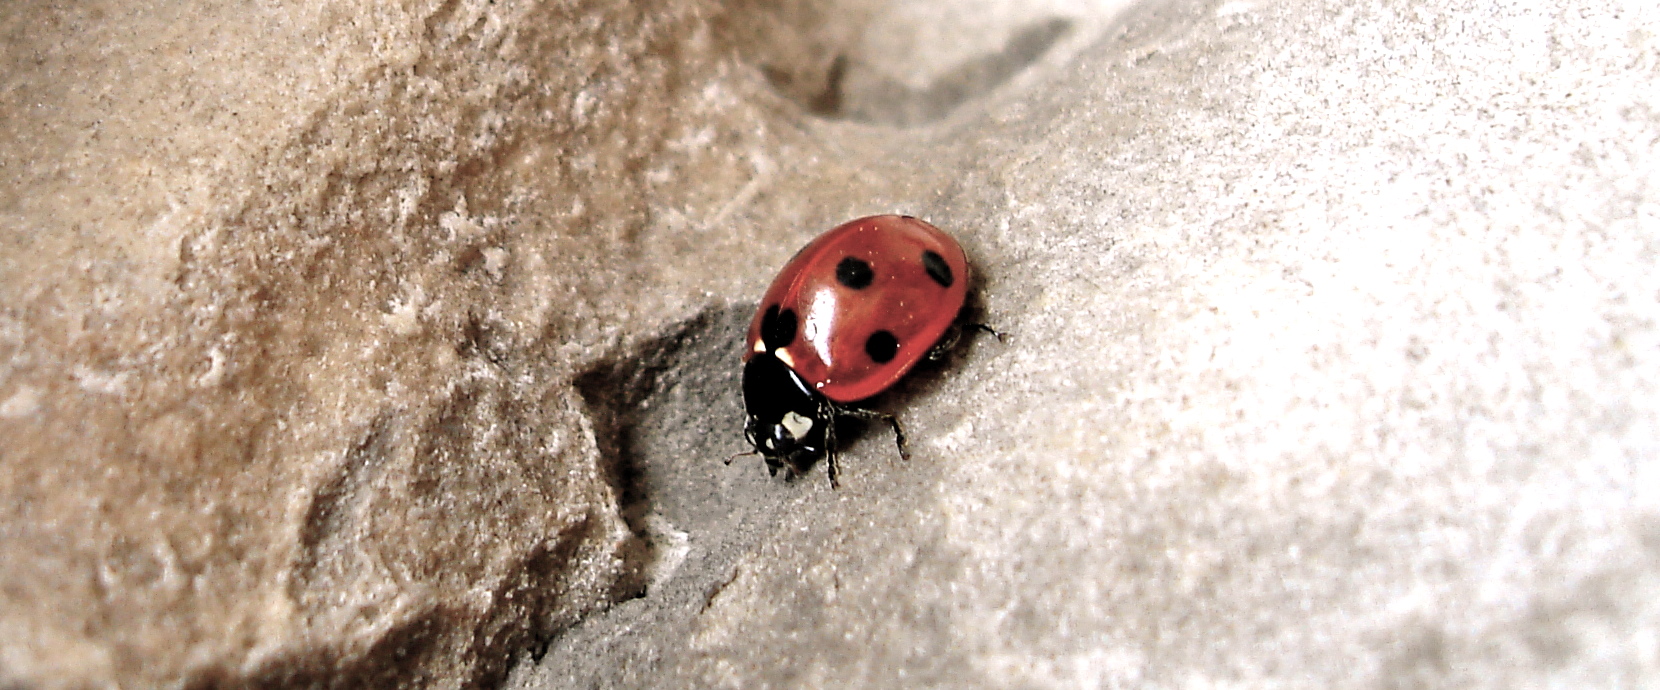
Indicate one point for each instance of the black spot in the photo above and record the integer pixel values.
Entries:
(937, 269)
(778, 327)
(882, 346)
(854, 273)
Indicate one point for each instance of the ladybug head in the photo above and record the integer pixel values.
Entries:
(786, 418)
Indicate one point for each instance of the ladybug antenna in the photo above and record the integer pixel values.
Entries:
(735, 456)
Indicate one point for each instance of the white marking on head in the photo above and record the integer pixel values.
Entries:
(784, 356)
(798, 425)
(760, 346)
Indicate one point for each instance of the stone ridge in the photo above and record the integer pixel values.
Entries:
(291, 301)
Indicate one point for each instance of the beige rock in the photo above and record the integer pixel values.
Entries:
(1335, 364)
(358, 345)
(291, 298)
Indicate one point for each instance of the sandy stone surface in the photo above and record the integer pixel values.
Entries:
(1334, 365)
(397, 344)
(292, 298)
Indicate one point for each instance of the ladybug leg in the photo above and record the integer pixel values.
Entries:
(985, 329)
(893, 422)
(829, 415)
(946, 343)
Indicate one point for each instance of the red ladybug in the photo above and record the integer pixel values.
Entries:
(848, 316)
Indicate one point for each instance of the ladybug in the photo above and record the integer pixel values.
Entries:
(846, 319)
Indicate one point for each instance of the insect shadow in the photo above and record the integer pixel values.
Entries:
(678, 388)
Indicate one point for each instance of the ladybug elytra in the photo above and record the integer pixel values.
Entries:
(846, 319)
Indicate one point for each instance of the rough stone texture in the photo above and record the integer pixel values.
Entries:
(291, 301)
(1335, 364)
(351, 344)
